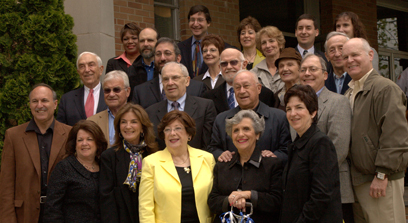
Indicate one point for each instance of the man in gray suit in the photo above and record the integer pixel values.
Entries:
(334, 119)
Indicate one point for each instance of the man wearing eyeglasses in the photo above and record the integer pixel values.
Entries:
(116, 90)
(87, 100)
(175, 80)
(199, 20)
(334, 119)
(232, 61)
(151, 92)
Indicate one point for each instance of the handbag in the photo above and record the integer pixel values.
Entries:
(231, 217)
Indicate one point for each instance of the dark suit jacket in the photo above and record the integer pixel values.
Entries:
(331, 85)
(207, 81)
(118, 203)
(219, 97)
(149, 93)
(117, 64)
(20, 176)
(185, 48)
(71, 107)
(200, 109)
(275, 137)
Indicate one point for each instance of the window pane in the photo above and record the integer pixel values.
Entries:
(384, 66)
(165, 1)
(392, 28)
(400, 64)
(163, 19)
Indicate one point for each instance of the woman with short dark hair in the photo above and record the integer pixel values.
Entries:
(311, 182)
(121, 165)
(73, 194)
(246, 31)
(177, 180)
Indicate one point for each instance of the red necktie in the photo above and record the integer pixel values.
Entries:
(197, 58)
(89, 104)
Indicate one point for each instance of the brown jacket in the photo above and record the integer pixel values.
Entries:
(20, 177)
(379, 131)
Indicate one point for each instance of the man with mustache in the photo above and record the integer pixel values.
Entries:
(30, 153)
(232, 61)
(87, 100)
(151, 92)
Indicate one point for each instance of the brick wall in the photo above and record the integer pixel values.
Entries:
(365, 9)
(224, 15)
(125, 11)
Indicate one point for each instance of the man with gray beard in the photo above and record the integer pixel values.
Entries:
(232, 61)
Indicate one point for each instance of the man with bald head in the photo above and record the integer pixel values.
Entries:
(337, 80)
(276, 136)
(232, 61)
(87, 100)
(379, 138)
(175, 79)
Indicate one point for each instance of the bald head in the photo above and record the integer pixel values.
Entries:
(358, 57)
(247, 89)
(231, 61)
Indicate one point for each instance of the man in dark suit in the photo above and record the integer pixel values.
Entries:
(337, 80)
(221, 94)
(30, 153)
(191, 56)
(175, 80)
(276, 136)
(151, 92)
(87, 100)
(306, 32)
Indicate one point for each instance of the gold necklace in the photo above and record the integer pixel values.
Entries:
(91, 168)
(251, 58)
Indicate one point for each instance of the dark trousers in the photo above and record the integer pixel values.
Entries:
(348, 216)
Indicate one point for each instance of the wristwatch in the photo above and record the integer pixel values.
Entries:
(381, 176)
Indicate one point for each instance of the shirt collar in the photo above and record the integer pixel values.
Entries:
(319, 91)
(110, 113)
(193, 41)
(181, 101)
(149, 66)
(124, 58)
(96, 88)
(310, 50)
(32, 127)
(360, 82)
(255, 158)
(341, 77)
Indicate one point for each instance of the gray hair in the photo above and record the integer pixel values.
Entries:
(322, 61)
(183, 68)
(331, 34)
(253, 74)
(86, 52)
(116, 74)
(172, 42)
(258, 123)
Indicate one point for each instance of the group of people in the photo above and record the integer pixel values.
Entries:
(186, 132)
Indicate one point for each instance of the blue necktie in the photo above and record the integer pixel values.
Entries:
(231, 101)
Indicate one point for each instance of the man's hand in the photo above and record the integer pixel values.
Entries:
(378, 187)
(226, 156)
(268, 153)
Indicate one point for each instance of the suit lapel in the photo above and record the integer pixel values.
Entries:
(195, 162)
(56, 146)
(101, 104)
(323, 98)
(79, 102)
(166, 162)
(123, 65)
(189, 56)
(190, 106)
(31, 143)
(222, 95)
(122, 170)
(155, 88)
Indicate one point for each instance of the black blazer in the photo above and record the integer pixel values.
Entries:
(200, 109)
(117, 202)
(207, 81)
(71, 108)
(219, 97)
(311, 182)
(117, 64)
(331, 85)
(149, 93)
(185, 48)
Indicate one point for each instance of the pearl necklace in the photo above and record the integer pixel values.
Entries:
(90, 168)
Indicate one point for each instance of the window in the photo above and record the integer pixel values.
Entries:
(166, 18)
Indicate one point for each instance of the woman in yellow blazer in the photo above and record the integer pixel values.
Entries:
(176, 182)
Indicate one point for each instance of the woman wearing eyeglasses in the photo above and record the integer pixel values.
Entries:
(271, 42)
(176, 181)
(212, 45)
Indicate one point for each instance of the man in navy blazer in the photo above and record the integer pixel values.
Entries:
(199, 20)
(151, 92)
(337, 80)
(175, 80)
(72, 104)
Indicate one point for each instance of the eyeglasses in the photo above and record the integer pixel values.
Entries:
(312, 69)
(116, 90)
(166, 53)
(176, 130)
(199, 20)
(174, 78)
(212, 50)
(232, 62)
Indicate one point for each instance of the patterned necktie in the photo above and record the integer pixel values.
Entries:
(304, 53)
(196, 58)
(175, 105)
(89, 104)
(231, 101)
